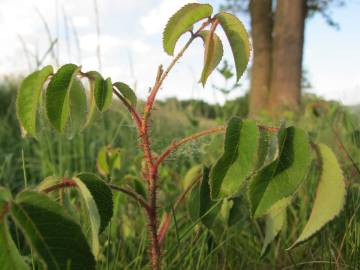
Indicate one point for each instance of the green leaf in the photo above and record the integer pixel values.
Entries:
(102, 196)
(55, 237)
(200, 204)
(212, 55)
(78, 107)
(267, 148)
(238, 39)
(103, 94)
(274, 224)
(282, 177)
(10, 258)
(181, 22)
(57, 95)
(27, 99)
(5, 195)
(208, 208)
(191, 175)
(127, 92)
(108, 159)
(95, 81)
(93, 214)
(238, 159)
(235, 213)
(330, 195)
(139, 188)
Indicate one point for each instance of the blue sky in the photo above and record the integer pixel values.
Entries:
(131, 45)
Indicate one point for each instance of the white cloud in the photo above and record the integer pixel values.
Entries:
(155, 21)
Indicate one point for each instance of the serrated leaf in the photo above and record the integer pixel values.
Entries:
(238, 159)
(181, 22)
(102, 196)
(27, 100)
(103, 94)
(330, 194)
(282, 177)
(238, 39)
(57, 96)
(78, 107)
(212, 54)
(127, 92)
(53, 235)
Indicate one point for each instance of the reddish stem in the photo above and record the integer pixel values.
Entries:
(192, 137)
(65, 183)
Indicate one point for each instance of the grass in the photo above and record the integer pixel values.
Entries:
(189, 245)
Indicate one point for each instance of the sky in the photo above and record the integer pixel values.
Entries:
(131, 45)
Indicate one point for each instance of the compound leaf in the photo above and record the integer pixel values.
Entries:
(282, 177)
(57, 96)
(330, 194)
(27, 99)
(212, 55)
(56, 238)
(127, 92)
(238, 159)
(181, 22)
(238, 39)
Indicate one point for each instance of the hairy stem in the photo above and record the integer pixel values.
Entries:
(65, 183)
(185, 140)
(151, 170)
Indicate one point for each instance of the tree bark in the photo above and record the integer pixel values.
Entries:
(287, 50)
(261, 29)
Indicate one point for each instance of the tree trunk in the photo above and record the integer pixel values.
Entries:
(261, 29)
(287, 50)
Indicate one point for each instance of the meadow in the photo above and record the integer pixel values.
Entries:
(25, 162)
